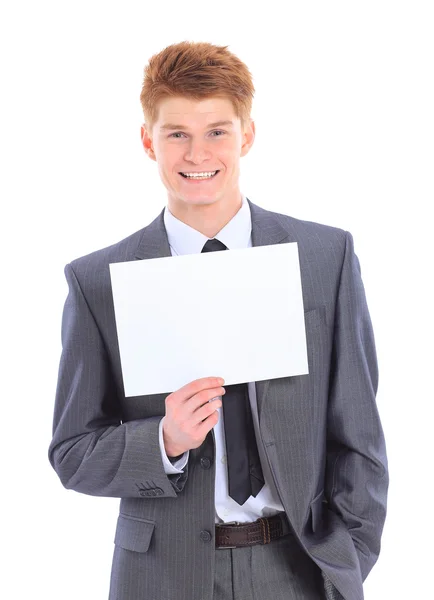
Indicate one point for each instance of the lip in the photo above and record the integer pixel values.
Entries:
(196, 181)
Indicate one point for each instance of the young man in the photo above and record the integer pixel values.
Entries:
(275, 489)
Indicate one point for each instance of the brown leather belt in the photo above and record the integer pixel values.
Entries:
(262, 531)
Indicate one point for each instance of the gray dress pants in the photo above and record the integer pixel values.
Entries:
(280, 570)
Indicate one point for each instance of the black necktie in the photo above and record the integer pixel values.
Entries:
(244, 466)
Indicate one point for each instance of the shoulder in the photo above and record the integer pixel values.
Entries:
(310, 235)
(99, 260)
(121, 251)
(92, 270)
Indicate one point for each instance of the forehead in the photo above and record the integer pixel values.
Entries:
(184, 111)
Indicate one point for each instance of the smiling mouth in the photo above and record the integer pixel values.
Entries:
(205, 177)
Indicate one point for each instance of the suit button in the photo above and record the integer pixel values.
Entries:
(205, 536)
(205, 463)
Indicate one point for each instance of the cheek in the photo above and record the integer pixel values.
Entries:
(168, 161)
(231, 161)
(230, 152)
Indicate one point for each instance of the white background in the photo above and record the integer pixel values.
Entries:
(344, 119)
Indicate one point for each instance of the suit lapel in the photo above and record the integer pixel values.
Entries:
(266, 230)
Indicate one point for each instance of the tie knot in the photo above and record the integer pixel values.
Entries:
(213, 246)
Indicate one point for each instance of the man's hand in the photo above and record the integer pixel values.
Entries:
(190, 415)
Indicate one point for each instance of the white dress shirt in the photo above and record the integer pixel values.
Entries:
(183, 239)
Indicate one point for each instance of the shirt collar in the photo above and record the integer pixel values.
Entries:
(183, 239)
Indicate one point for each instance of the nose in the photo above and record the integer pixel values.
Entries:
(197, 152)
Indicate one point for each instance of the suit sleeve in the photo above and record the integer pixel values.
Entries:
(91, 450)
(357, 472)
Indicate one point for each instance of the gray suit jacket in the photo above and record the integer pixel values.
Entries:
(322, 432)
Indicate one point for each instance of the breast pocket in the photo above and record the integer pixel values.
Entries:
(134, 534)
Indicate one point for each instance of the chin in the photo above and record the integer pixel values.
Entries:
(197, 200)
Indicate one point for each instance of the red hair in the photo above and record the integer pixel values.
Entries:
(196, 70)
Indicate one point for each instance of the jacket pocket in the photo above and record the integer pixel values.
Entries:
(133, 533)
(316, 511)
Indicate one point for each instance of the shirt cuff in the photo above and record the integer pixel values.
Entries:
(169, 467)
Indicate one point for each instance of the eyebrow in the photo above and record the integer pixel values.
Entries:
(167, 126)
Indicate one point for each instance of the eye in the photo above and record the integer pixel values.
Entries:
(179, 133)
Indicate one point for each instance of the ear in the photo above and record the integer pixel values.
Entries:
(248, 137)
(147, 142)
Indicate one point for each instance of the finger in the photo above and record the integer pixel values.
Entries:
(197, 386)
(205, 411)
(205, 397)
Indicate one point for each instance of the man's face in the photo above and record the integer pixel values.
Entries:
(198, 137)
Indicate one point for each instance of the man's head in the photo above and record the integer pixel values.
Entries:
(197, 100)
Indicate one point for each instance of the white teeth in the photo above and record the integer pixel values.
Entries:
(200, 175)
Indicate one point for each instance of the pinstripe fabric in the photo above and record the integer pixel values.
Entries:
(276, 571)
(321, 432)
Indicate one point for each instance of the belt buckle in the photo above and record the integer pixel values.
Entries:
(223, 525)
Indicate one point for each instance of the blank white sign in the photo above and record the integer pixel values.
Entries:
(236, 314)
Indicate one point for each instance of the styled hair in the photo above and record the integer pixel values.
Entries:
(196, 70)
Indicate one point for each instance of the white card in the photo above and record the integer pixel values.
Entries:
(236, 314)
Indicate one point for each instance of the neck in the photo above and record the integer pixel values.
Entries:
(209, 219)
